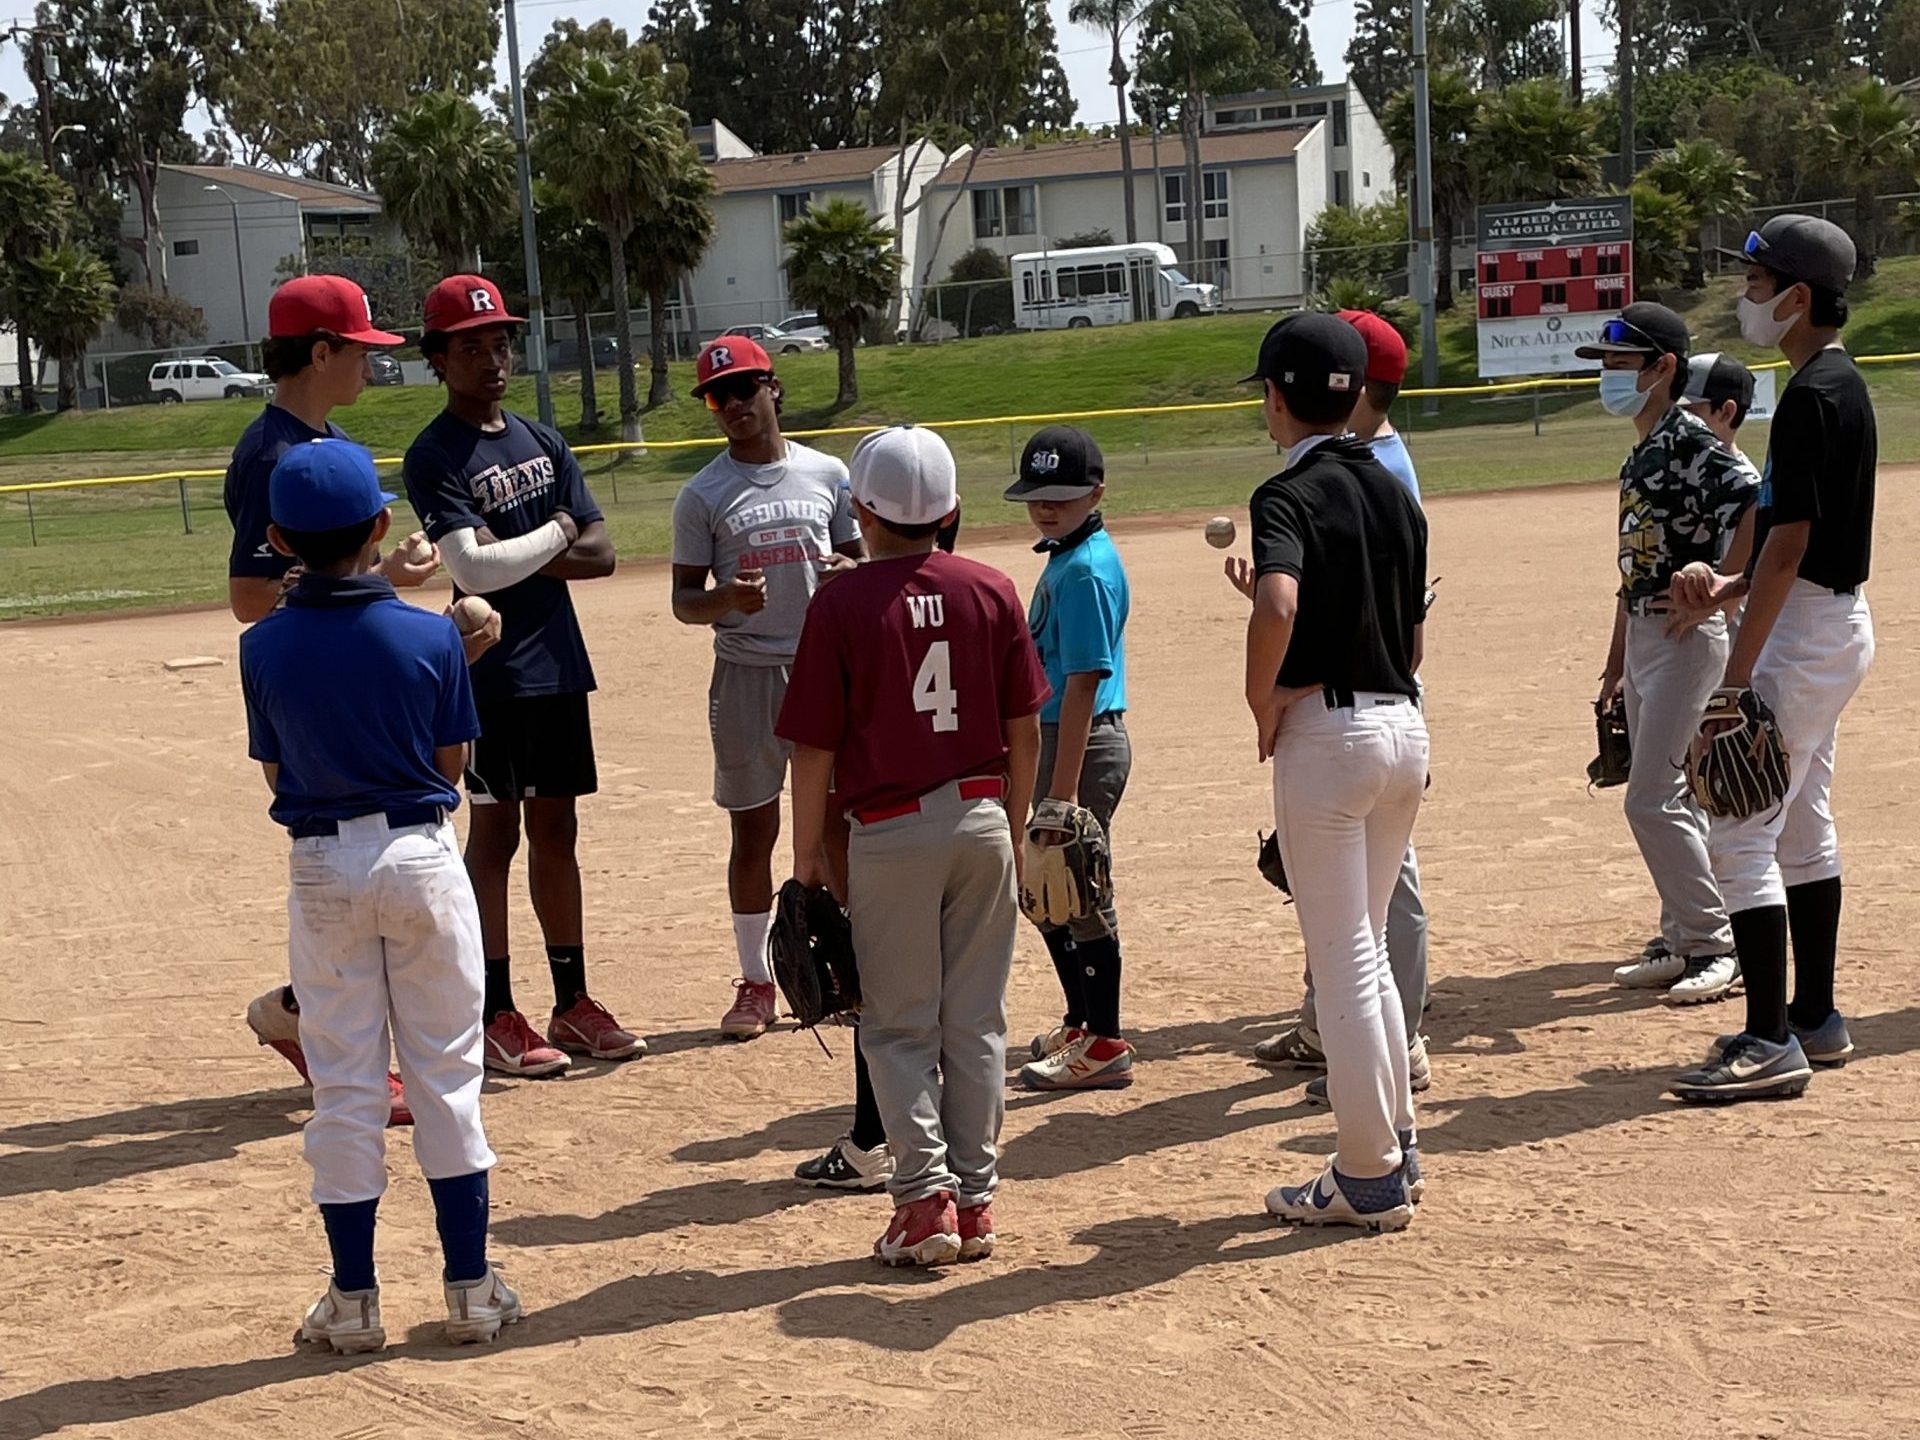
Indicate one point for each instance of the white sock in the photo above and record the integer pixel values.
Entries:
(750, 939)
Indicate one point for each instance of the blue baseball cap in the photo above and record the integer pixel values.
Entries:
(325, 485)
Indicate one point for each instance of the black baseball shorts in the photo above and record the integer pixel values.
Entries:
(532, 746)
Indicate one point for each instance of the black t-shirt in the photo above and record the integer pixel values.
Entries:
(1820, 462)
(1348, 531)
(460, 477)
(270, 436)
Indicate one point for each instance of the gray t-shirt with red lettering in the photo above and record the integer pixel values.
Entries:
(781, 519)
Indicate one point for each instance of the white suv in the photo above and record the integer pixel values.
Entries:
(206, 378)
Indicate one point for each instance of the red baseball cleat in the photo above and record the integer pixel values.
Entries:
(398, 1113)
(513, 1047)
(976, 1231)
(586, 1028)
(924, 1232)
(754, 1009)
(277, 1027)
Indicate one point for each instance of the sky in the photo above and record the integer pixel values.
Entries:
(1083, 53)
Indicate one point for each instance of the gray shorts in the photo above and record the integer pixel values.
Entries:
(749, 760)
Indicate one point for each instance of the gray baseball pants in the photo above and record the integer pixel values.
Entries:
(1668, 683)
(931, 899)
(1103, 780)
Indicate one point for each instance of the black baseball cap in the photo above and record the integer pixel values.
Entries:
(1803, 248)
(1643, 328)
(1059, 463)
(1309, 352)
(1715, 378)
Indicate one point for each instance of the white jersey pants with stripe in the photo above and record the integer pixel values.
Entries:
(1812, 664)
(384, 932)
(1347, 785)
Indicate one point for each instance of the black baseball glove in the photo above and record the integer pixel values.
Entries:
(1737, 764)
(810, 950)
(1272, 869)
(1609, 767)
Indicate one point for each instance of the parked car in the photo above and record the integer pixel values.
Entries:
(564, 353)
(777, 341)
(386, 369)
(207, 378)
(805, 324)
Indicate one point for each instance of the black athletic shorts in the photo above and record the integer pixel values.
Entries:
(532, 746)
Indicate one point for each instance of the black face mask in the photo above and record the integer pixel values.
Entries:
(1093, 524)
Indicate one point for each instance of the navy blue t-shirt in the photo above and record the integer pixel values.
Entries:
(349, 691)
(511, 482)
(270, 436)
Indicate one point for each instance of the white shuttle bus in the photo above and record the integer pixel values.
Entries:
(1104, 285)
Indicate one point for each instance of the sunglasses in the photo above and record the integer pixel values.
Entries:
(1755, 246)
(1619, 332)
(723, 392)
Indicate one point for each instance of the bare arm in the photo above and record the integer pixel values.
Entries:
(451, 762)
(1740, 551)
(1276, 604)
(1616, 666)
(812, 769)
(695, 604)
(251, 597)
(1076, 724)
(1773, 576)
(1419, 645)
(588, 558)
(272, 770)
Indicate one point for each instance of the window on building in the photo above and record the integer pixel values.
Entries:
(986, 214)
(1214, 269)
(793, 205)
(1213, 192)
(1276, 112)
(1176, 204)
(1245, 115)
(1339, 122)
(1341, 188)
(1366, 179)
(186, 247)
(1315, 107)
(1021, 206)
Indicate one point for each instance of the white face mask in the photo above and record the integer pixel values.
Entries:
(1758, 326)
(1620, 392)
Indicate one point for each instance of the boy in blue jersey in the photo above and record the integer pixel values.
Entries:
(1078, 618)
(506, 502)
(384, 936)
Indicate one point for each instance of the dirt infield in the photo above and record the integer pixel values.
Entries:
(1591, 1260)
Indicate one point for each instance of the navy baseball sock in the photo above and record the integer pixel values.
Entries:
(867, 1130)
(1099, 963)
(1761, 938)
(460, 1215)
(1813, 915)
(350, 1237)
(1067, 966)
(569, 966)
(499, 989)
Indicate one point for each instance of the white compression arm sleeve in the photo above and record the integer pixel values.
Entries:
(482, 569)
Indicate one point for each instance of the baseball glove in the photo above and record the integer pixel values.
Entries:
(1272, 869)
(1071, 879)
(810, 950)
(1736, 763)
(1609, 767)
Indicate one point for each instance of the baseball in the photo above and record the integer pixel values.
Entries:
(416, 549)
(1220, 532)
(470, 612)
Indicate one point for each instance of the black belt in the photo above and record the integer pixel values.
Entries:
(1344, 699)
(1844, 589)
(399, 818)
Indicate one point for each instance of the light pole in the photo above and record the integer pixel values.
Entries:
(1423, 209)
(240, 264)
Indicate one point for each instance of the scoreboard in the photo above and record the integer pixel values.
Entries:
(1547, 274)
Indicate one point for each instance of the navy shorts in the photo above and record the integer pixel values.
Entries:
(532, 747)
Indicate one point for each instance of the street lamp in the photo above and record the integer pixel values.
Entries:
(240, 264)
(54, 139)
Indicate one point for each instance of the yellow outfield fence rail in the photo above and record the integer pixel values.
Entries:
(1505, 387)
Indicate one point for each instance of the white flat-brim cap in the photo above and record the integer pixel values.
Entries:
(905, 474)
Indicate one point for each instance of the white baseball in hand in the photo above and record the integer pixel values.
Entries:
(416, 549)
(470, 612)
(1220, 532)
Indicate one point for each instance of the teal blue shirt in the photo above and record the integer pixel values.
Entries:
(1078, 619)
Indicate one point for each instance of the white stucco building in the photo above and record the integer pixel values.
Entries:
(1359, 161)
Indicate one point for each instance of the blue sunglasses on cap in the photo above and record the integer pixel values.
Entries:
(1619, 332)
(1754, 245)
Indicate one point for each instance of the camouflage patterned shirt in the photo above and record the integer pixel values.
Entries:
(1682, 494)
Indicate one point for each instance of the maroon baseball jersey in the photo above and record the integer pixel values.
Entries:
(906, 670)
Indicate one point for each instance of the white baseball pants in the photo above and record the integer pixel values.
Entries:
(384, 931)
(1812, 664)
(1347, 785)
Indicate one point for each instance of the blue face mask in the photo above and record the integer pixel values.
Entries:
(1620, 392)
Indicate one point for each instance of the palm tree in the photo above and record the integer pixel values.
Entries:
(1453, 114)
(34, 208)
(1533, 143)
(1665, 226)
(841, 263)
(446, 174)
(1712, 180)
(606, 136)
(65, 295)
(573, 264)
(1204, 40)
(1869, 138)
(1114, 17)
(678, 226)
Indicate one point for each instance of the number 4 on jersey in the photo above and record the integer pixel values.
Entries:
(933, 692)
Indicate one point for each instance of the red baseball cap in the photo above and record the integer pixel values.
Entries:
(729, 355)
(465, 302)
(1386, 351)
(325, 302)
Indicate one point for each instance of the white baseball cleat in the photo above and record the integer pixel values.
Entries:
(1336, 1199)
(476, 1309)
(1655, 968)
(346, 1320)
(1706, 977)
